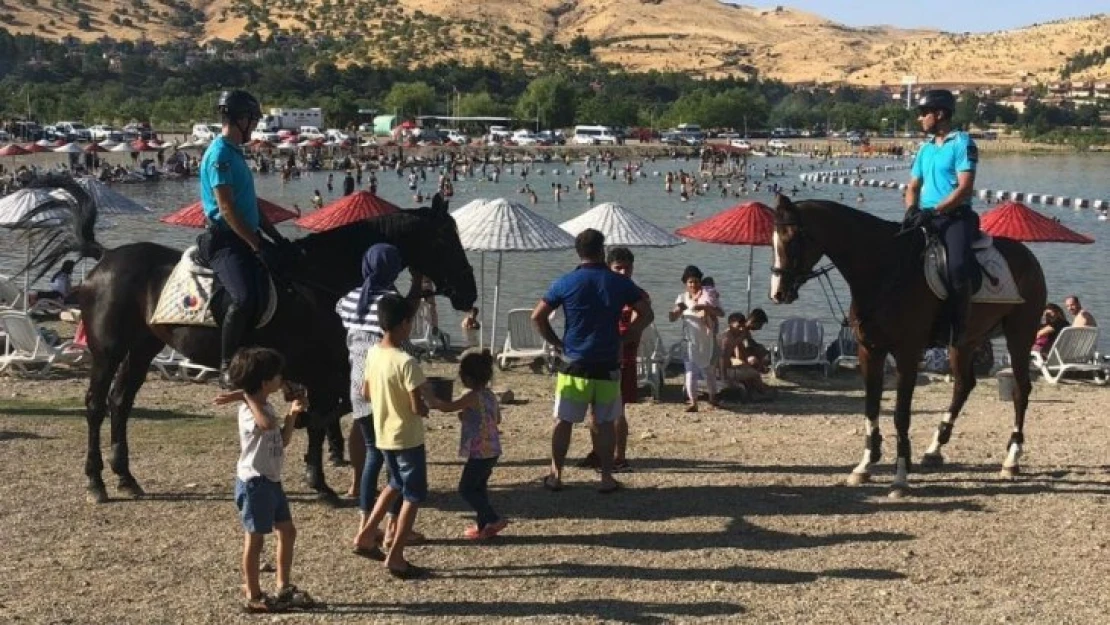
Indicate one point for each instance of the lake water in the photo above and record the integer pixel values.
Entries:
(1068, 268)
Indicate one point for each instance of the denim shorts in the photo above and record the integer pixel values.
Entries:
(408, 473)
(261, 504)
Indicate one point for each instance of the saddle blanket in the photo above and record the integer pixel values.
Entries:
(998, 286)
(187, 297)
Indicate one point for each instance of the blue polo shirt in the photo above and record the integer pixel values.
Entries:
(937, 166)
(224, 164)
(592, 297)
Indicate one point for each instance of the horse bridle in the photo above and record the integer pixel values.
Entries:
(794, 276)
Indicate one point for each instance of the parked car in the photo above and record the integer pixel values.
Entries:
(778, 144)
(136, 130)
(265, 135)
(4, 137)
(206, 132)
(335, 134)
(310, 132)
(73, 131)
(552, 137)
(524, 137)
(366, 128)
(743, 144)
(100, 132)
(26, 131)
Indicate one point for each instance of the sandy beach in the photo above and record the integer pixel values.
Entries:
(733, 514)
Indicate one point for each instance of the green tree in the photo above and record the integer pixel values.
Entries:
(580, 46)
(410, 98)
(550, 100)
(481, 105)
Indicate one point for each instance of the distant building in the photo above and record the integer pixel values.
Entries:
(1102, 90)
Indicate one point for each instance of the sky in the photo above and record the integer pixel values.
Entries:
(948, 15)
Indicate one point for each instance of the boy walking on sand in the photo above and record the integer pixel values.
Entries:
(262, 505)
(394, 384)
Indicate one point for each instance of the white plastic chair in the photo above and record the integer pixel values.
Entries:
(1073, 350)
(848, 349)
(650, 361)
(524, 341)
(28, 352)
(168, 363)
(801, 343)
(11, 296)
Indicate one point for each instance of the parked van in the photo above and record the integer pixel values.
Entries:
(594, 135)
(206, 132)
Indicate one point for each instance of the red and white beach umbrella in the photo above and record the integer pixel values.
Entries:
(751, 224)
(1014, 220)
(192, 216)
(358, 206)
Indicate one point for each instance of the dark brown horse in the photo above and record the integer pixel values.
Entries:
(893, 312)
(119, 296)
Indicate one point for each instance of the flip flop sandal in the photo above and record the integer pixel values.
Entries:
(410, 572)
(370, 553)
(294, 597)
(265, 605)
(611, 489)
(551, 483)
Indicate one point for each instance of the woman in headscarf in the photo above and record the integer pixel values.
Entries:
(381, 265)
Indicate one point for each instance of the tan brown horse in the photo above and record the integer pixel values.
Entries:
(893, 312)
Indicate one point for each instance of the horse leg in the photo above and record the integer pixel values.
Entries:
(129, 380)
(907, 379)
(314, 458)
(961, 360)
(1018, 345)
(871, 365)
(96, 406)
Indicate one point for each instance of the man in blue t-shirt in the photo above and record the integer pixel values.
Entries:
(592, 298)
(231, 244)
(939, 193)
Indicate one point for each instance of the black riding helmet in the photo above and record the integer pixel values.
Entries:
(237, 104)
(937, 100)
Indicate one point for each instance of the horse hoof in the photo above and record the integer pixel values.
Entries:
(932, 461)
(329, 497)
(899, 492)
(96, 494)
(131, 487)
(1009, 473)
(858, 479)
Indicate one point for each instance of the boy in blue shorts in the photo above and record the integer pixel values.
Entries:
(397, 389)
(262, 505)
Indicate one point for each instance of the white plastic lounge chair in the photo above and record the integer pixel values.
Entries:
(194, 372)
(650, 361)
(27, 352)
(524, 341)
(11, 296)
(168, 363)
(849, 349)
(1073, 350)
(801, 343)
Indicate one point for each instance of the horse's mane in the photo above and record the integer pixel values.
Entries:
(393, 225)
(843, 213)
(76, 233)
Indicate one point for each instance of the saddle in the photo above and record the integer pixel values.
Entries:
(187, 297)
(993, 282)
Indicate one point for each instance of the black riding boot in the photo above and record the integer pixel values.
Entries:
(231, 337)
(336, 443)
(960, 303)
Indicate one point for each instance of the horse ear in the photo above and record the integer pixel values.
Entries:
(783, 203)
(439, 204)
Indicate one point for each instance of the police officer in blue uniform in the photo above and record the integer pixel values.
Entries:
(232, 244)
(939, 196)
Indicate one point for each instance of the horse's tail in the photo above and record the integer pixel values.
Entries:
(73, 219)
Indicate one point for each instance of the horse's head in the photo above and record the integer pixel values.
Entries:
(443, 259)
(795, 253)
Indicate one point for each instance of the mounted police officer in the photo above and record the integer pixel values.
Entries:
(939, 197)
(232, 244)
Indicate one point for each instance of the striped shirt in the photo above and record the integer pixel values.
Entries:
(347, 308)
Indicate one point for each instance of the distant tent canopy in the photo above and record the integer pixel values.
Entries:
(384, 124)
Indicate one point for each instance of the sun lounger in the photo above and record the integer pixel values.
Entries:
(168, 363)
(847, 349)
(431, 341)
(650, 361)
(801, 343)
(28, 352)
(1073, 351)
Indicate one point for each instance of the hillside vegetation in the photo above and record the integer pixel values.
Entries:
(703, 37)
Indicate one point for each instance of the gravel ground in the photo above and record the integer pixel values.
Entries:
(732, 514)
